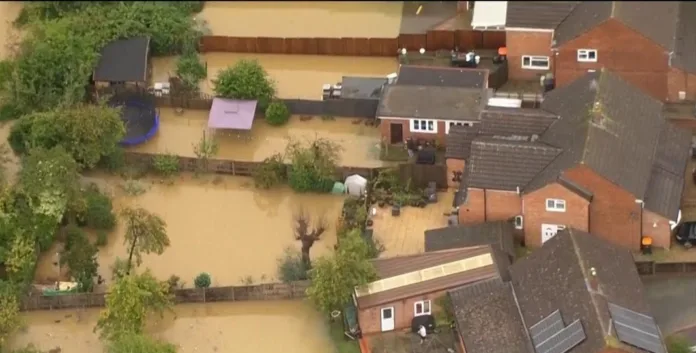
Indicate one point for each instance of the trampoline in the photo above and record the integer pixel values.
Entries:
(139, 115)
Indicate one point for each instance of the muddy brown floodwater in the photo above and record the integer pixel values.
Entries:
(216, 224)
(178, 134)
(242, 327)
(297, 19)
(8, 13)
(296, 76)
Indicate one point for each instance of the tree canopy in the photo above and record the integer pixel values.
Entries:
(145, 233)
(136, 342)
(9, 311)
(245, 80)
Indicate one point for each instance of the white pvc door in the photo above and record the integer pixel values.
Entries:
(387, 319)
(548, 231)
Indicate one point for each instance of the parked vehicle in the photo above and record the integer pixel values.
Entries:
(685, 234)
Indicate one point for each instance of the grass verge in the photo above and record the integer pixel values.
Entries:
(341, 342)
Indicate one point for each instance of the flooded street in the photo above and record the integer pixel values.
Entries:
(216, 224)
(288, 326)
(308, 19)
(178, 134)
(296, 76)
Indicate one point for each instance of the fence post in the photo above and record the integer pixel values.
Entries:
(205, 290)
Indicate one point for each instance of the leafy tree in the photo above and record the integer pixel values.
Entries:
(313, 166)
(99, 212)
(131, 299)
(137, 342)
(334, 279)
(9, 311)
(271, 172)
(81, 257)
(277, 113)
(203, 280)
(245, 80)
(21, 259)
(145, 233)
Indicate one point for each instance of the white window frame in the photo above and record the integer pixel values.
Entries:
(584, 55)
(450, 123)
(423, 305)
(533, 58)
(559, 205)
(415, 128)
(519, 222)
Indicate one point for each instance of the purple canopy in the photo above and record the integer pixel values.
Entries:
(231, 114)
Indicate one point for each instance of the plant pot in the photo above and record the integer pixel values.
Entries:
(381, 203)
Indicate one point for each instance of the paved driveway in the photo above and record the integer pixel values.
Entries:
(673, 302)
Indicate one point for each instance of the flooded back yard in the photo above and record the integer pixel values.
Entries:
(297, 19)
(243, 327)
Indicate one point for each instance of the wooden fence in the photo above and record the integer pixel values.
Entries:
(271, 291)
(432, 40)
(421, 174)
(663, 268)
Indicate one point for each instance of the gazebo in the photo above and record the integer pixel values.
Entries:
(231, 114)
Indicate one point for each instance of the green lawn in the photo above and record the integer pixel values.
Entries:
(393, 153)
(343, 345)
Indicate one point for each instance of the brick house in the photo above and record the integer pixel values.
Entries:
(610, 164)
(577, 294)
(410, 285)
(425, 102)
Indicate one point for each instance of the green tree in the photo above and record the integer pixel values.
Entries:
(245, 80)
(334, 279)
(203, 280)
(277, 113)
(145, 233)
(190, 70)
(313, 165)
(21, 259)
(81, 257)
(137, 342)
(9, 311)
(99, 213)
(131, 299)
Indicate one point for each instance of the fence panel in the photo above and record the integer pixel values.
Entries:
(493, 40)
(270, 45)
(421, 174)
(330, 46)
(644, 267)
(361, 108)
(412, 42)
(668, 267)
(383, 46)
(439, 40)
(467, 39)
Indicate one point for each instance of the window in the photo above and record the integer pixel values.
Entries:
(519, 222)
(449, 124)
(419, 125)
(535, 62)
(587, 55)
(421, 308)
(555, 205)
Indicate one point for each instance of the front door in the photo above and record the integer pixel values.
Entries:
(387, 319)
(397, 133)
(549, 231)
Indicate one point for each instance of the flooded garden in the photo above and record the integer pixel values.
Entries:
(220, 327)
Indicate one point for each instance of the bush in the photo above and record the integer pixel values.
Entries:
(277, 113)
(19, 135)
(10, 111)
(113, 161)
(291, 267)
(245, 80)
(99, 213)
(203, 280)
(270, 172)
(191, 70)
(102, 238)
(81, 257)
(678, 344)
(313, 166)
(166, 164)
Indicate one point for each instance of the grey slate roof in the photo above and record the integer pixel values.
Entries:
(557, 277)
(685, 41)
(362, 87)
(606, 124)
(656, 20)
(499, 234)
(506, 164)
(431, 102)
(442, 76)
(488, 319)
(458, 141)
(123, 60)
(515, 121)
(537, 14)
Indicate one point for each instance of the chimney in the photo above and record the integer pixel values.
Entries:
(593, 282)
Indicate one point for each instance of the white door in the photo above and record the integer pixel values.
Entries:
(387, 319)
(548, 231)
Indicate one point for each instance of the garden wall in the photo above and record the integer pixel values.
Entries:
(663, 268)
(432, 40)
(272, 291)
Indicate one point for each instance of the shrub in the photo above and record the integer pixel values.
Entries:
(99, 213)
(203, 280)
(102, 238)
(166, 164)
(190, 70)
(81, 257)
(313, 166)
(114, 161)
(10, 111)
(277, 113)
(270, 172)
(291, 267)
(245, 80)
(678, 344)
(19, 135)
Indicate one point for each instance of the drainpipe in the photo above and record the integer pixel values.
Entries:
(640, 218)
(485, 205)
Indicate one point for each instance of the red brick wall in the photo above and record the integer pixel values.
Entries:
(489, 205)
(658, 228)
(371, 321)
(385, 129)
(454, 165)
(535, 214)
(527, 43)
(620, 49)
(614, 214)
(678, 80)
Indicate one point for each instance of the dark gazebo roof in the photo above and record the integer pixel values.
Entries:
(123, 60)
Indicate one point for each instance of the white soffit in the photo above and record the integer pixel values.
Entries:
(489, 14)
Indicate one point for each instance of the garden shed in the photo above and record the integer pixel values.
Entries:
(123, 61)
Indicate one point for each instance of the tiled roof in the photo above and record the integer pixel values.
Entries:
(537, 14)
(515, 121)
(458, 141)
(685, 39)
(442, 76)
(123, 60)
(498, 234)
(431, 102)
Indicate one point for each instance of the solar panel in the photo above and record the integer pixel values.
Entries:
(546, 328)
(636, 329)
(563, 340)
